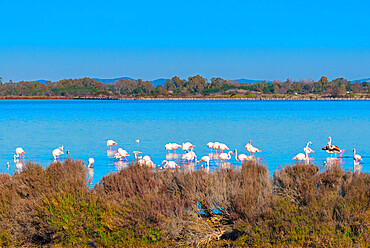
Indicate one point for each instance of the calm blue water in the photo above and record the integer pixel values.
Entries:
(279, 128)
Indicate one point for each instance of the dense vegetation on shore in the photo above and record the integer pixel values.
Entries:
(176, 87)
(299, 207)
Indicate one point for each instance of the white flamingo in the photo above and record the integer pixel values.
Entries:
(175, 146)
(205, 159)
(356, 157)
(169, 147)
(216, 145)
(307, 149)
(19, 151)
(242, 157)
(111, 143)
(121, 154)
(170, 164)
(223, 147)
(301, 157)
(187, 146)
(57, 152)
(225, 156)
(188, 156)
(251, 149)
(136, 155)
(91, 162)
(148, 161)
(210, 146)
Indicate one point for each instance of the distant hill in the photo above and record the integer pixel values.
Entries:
(43, 81)
(159, 81)
(361, 80)
(250, 81)
(111, 80)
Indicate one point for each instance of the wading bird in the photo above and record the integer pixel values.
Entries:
(111, 143)
(356, 157)
(57, 152)
(242, 157)
(223, 147)
(121, 154)
(301, 157)
(307, 149)
(225, 156)
(216, 146)
(91, 162)
(170, 164)
(251, 149)
(210, 146)
(20, 152)
(204, 159)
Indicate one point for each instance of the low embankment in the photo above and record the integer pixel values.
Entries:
(299, 207)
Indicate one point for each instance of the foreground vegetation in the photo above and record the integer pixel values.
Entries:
(299, 207)
(195, 86)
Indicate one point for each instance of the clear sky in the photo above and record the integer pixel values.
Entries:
(159, 39)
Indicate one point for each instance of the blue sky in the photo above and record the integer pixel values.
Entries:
(154, 39)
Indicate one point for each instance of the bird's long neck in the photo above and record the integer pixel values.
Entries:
(307, 144)
(236, 155)
(329, 140)
(229, 155)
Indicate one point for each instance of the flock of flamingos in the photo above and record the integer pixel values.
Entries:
(218, 151)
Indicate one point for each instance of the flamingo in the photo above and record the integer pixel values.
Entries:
(175, 146)
(333, 148)
(242, 157)
(136, 155)
(187, 146)
(7, 165)
(57, 152)
(147, 161)
(251, 149)
(188, 156)
(121, 154)
(216, 145)
(19, 151)
(204, 159)
(169, 147)
(223, 147)
(210, 146)
(301, 157)
(111, 143)
(91, 163)
(170, 164)
(225, 156)
(356, 157)
(307, 149)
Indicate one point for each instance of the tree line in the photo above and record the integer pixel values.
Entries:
(177, 87)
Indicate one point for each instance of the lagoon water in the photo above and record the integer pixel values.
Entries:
(279, 128)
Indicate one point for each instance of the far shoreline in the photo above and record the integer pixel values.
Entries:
(294, 98)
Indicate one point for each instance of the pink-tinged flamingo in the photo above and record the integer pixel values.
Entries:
(19, 151)
(170, 164)
(187, 146)
(216, 146)
(225, 156)
(251, 149)
(57, 152)
(223, 147)
(210, 146)
(175, 146)
(91, 162)
(242, 157)
(356, 157)
(204, 159)
(301, 157)
(121, 154)
(188, 156)
(168, 147)
(307, 149)
(111, 143)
